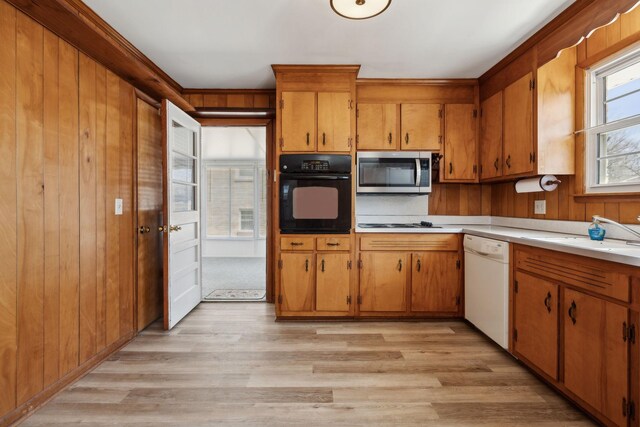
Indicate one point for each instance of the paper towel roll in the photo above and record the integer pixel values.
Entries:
(543, 183)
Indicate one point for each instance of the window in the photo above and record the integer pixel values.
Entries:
(244, 174)
(246, 219)
(613, 125)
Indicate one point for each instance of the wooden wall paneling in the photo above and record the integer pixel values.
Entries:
(551, 197)
(8, 217)
(239, 101)
(149, 196)
(261, 101)
(486, 199)
(101, 206)
(629, 212)
(30, 247)
(474, 199)
(592, 209)
(112, 289)
(196, 99)
(612, 210)
(453, 199)
(127, 108)
(463, 208)
(51, 86)
(521, 205)
(630, 23)
(214, 100)
(437, 200)
(88, 245)
(69, 213)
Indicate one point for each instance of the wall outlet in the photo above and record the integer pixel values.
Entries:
(118, 207)
(540, 207)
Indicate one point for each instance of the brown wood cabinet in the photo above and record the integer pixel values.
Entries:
(421, 127)
(491, 137)
(296, 282)
(435, 282)
(574, 320)
(460, 157)
(298, 115)
(333, 272)
(518, 126)
(535, 322)
(596, 352)
(383, 281)
(529, 124)
(334, 121)
(377, 126)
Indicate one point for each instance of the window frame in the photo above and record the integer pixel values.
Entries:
(594, 119)
(253, 219)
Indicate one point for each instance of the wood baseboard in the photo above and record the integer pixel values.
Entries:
(29, 407)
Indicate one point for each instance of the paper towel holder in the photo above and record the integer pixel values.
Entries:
(553, 182)
(539, 183)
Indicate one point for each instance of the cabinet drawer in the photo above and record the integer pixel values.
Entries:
(333, 243)
(409, 242)
(296, 243)
(576, 271)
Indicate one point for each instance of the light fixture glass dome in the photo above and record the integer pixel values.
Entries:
(359, 9)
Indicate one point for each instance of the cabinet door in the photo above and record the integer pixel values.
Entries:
(383, 281)
(535, 306)
(334, 121)
(377, 127)
(296, 282)
(298, 121)
(518, 127)
(435, 282)
(421, 127)
(491, 137)
(459, 160)
(595, 352)
(333, 272)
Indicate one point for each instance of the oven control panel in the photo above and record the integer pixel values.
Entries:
(315, 165)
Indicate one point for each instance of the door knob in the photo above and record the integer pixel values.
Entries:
(162, 228)
(175, 228)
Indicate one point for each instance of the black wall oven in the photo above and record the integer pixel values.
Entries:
(315, 193)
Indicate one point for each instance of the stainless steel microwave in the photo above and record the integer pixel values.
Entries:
(403, 172)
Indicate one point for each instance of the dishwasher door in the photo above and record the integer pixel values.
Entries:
(486, 287)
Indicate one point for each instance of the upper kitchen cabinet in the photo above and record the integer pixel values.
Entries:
(460, 130)
(316, 107)
(528, 119)
(410, 115)
(421, 126)
(298, 121)
(377, 127)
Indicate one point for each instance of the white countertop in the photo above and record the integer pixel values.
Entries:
(609, 250)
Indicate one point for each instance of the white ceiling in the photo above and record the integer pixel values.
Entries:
(232, 43)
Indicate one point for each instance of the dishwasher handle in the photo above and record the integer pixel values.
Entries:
(473, 251)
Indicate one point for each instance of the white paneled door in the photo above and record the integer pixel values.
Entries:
(182, 276)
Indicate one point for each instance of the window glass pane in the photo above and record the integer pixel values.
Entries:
(184, 197)
(262, 211)
(183, 140)
(183, 168)
(246, 219)
(619, 170)
(621, 95)
(218, 201)
(623, 107)
(622, 141)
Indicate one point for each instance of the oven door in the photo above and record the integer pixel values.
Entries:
(394, 173)
(315, 203)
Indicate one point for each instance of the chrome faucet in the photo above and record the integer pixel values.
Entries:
(597, 219)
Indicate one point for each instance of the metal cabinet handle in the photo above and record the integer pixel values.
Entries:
(174, 228)
(306, 265)
(322, 266)
(418, 265)
(547, 302)
(625, 331)
(399, 265)
(495, 164)
(333, 244)
(390, 137)
(450, 168)
(324, 139)
(308, 136)
(508, 162)
(296, 243)
(406, 138)
(572, 312)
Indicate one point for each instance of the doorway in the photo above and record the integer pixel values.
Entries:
(234, 213)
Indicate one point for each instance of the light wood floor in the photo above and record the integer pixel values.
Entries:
(231, 364)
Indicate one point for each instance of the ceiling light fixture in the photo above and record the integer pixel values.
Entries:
(359, 9)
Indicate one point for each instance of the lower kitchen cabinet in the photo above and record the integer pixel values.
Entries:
(435, 282)
(596, 352)
(333, 272)
(535, 322)
(296, 282)
(383, 281)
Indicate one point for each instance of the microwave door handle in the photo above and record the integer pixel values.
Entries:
(418, 172)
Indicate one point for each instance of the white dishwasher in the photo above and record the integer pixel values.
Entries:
(486, 286)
